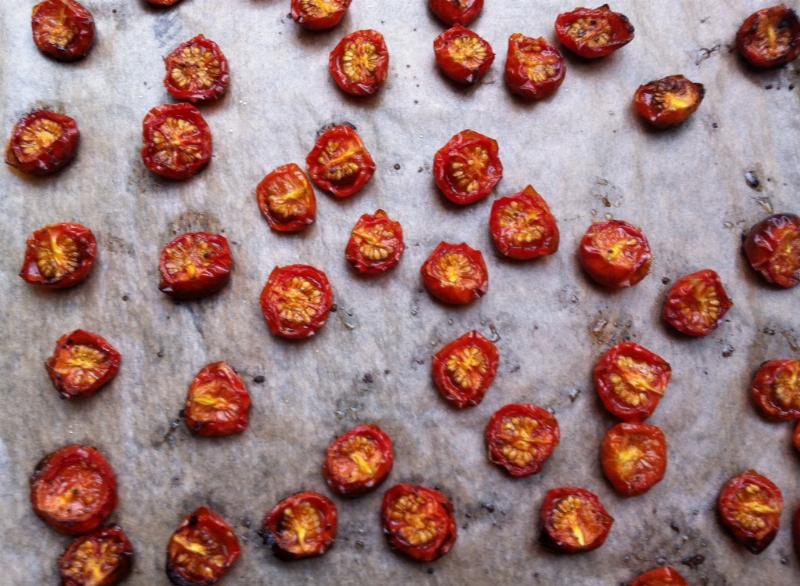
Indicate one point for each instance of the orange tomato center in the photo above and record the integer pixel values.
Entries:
(57, 255)
(298, 300)
(419, 524)
(195, 67)
(467, 367)
(520, 439)
(300, 528)
(93, 561)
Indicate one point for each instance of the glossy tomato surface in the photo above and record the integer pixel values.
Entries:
(666, 576)
(301, 526)
(455, 274)
(773, 249)
(750, 507)
(201, 550)
(453, 12)
(520, 438)
(358, 461)
(593, 33)
(63, 29)
(319, 15)
(218, 403)
(634, 457)
(359, 64)
(523, 227)
(534, 68)
(376, 244)
(615, 254)
(177, 141)
(82, 364)
(462, 55)
(59, 256)
(286, 199)
(195, 265)
(669, 101)
(42, 143)
(101, 558)
(776, 390)
(197, 71)
(697, 303)
(465, 369)
(296, 301)
(770, 37)
(339, 163)
(574, 520)
(468, 168)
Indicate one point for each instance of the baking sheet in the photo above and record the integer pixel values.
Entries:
(583, 150)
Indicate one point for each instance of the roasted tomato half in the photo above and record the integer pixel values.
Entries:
(592, 33)
(465, 369)
(453, 12)
(319, 15)
(770, 37)
(202, 550)
(340, 163)
(163, 2)
(376, 244)
(101, 558)
(523, 227)
(42, 143)
(468, 168)
(74, 489)
(462, 55)
(218, 402)
(534, 69)
(359, 64)
(419, 522)
(82, 364)
(615, 254)
(197, 71)
(660, 577)
(669, 101)
(521, 438)
(631, 381)
(358, 461)
(697, 303)
(750, 508)
(574, 520)
(286, 199)
(296, 301)
(455, 274)
(634, 457)
(59, 256)
(301, 526)
(195, 265)
(773, 249)
(63, 29)
(776, 390)
(177, 141)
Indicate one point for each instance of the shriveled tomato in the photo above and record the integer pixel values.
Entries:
(750, 507)
(534, 68)
(376, 244)
(521, 438)
(202, 550)
(301, 526)
(453, 12)
(319, 15)
(776, 390)
(177, 141)
(194, 265)
(462, 55)
(82, 364)
(197, 71)
(773, 249)
(455, 274)
(59, 256)
(634, 457)
(465, 369)
(697, 303)
(665, 576)
(286, 199)
(631, 381)
(523, 227)
(74, 489)
(339, 163)
(42, 143)
(359, 460)
(359, 64)
(296, 301)
(419, 522)
(574, 520)
(668, 101)
(593, 33)
(467, 168)
(63, 29)
(615, 254)
(218, 403)
(770, 37)
(101, 558)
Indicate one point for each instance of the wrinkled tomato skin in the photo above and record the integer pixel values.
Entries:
(452, 12)
(774, 380)
(326, 512)
(216, 533)
(669, 101)
(325, 176)
(339, 63)
(660, 577)
(650, 447)
(729, 501)
(220, 79)
(461, 71)
(207, 279)
(85, 249)
(447, 382)
(46, 159)
(51, 478)
(69, 16)
(558, 540)
(77, 389)
(603, 242)
(696, 323)
(461, 150)
(546, 425)
(292, 178)
(521, 51)
(750, 39)
(620, 29)
(279, 325)
(440, 511)
(199, 147)
(74, 573)
(314, 22)
(382, 446)
(456, 293)
(390, 249)
(221, 379)
(525, 242)
(772, 248)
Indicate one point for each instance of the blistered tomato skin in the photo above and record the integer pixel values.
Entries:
(697, 303)
(339, 163)
(286, 199)
(296, 301)
(520, 438)
(101, 558)
(301, 526)
(615, 254)
(195, 265)
(452, 12)
(358, 461)
(465, 369)
(534, 68)
(376, 244)
(574, 520)
(665, 576)
(468, 167)
(176, 140)
(455, 274)
(42, 143)
(217, 403)
(462, 55)
(634, 457)
(202, 550)
(593, 33)
(770, 37)
(668, 102)
(750, 507)
(523, 227)
(197, 71)
(82, 364)
(63, 29)
(319, 15)
(59, 256)
(359, 64)
(772, 248)
(776, 390)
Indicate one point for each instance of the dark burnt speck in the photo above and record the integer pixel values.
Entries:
(259, 379)
(753, 182)
(694, 562)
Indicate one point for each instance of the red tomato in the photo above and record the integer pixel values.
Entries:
(453, 12)
(376, 244)
(358, 461)
(615, 254)
(319, 15)
(634, 457)
(455, 274)
(197, 71)
(286, 199)
(359, 64)
(82, 364)
(340, 163)
(631, 381)
(523, 227)
(592, 33)
(59, 256)
(660, 577)
(697, 303)
(218, 403)
(465, 369)
(467, 168)
(301, 526)
(521, 438)
(419, 522)
(194, 265)
(202, 550)
(776, 390)
(534, 69)
(296, 301)
(62, 29)
(462, 55)
(177, 141)
(74, 489)
(101, 558)
(574, 520)
(42, 143)
(770, 37)
(669, 101)
(750, 507)
(773, 249)
(163, 2)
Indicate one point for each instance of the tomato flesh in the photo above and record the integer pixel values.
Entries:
(59, 256)
(665, 576)
(359, 64)
(455, 274)
(201, 550)
(465, 369)
(177, 141)
(593, 33)
(339, 163)
(286, 199)
(197, 71)
(462, 55)
(358, 461)
(101, 558)
(773, 249)
(534, 68)
(296, 301)
(319, 15)
(42, 143)
(615, 254)
(521, 438)
(301, 526)
(770, 37)
(697, 303)
(453, 12)
(634, 457)
(218, 403)
(574, 520)
(195, 265)
(63, 29)
(668, 102)
(82, 364)
(467, 168)
(523, 227)
(750, 508)
(376, 244)
(776, 390)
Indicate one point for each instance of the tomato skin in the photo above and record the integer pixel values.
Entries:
(772, 248)
(543, 438)
(342, 63)
(326, 162)
(381, 445)
(40, 159)
(161, 3)
(181, 59)
(72, 387)
(669, 101)
(222, 382)
(389, 235)
(463, 55)
(615, 254)
(108, 548)
(595, 514)
(299, 211)
(195, 265)
(453, 12)
(471, 266)
(321, 299)
(304, 15)
(461, 152)
(729, 506)
(283, 546)
(80, 256)
(780, 22)
(523, 227)
(188, 568)
(776, 390)
(615, 25)
(649, 446)
(665, 576)
(682, 298)
(526, 54)
(63, 29)
(176, 123)
(461, 354)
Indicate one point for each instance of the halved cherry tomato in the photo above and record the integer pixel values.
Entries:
(218, 403)
(42, 143)
(697, 303)
(453, 12)
(534, 68)
(776, 390)
(770, 37)
(63, 29)
(101, 558)
(376, 244)
(163, 2)
(615, 254)
(465, 369)
(665, 576)
(634, 457)
(523, 227)
(668, 101)
(419, 522)
(74, 489)
(319, 15)
(82, 364)
(462, 55)
(358, 461)
(296, 301)
(521, 438)
(197, 71)
(202, 550)
(574, 520)
(194, 265)
(750, 507)
(59, 256)
(773, 249)
(177, 141)
(286, 199)
(631, 381)
(359, 64)
(455, 274)
(467, 168)
(339, 163)
(592, 33)
(301, 526)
